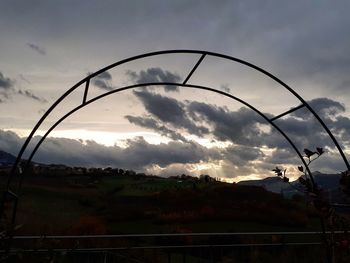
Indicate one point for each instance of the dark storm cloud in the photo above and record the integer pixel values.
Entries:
(103, 81)
(103, 84)
(170, 111)
(300, 41)
(307, 131)
(155, 75)
(36, 48)
(5, 83)
(295, 38)
(155, 125)
(173, 157)
(342, 127)
(236, 126)
(165, 154)
(283, 156)
(238, 160)
(165, 108)
(313, 46)
(323, 106)
(237, 157)
(242, 154)
(136, 155)
(31, 95)
(7, 89)
(243, 127)
(105, 76)
(10, 142)
(303, 133)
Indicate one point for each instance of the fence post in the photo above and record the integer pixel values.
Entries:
(169, 257)
(184, 255)
(105, 257)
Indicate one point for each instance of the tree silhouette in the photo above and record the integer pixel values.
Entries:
(330, 220)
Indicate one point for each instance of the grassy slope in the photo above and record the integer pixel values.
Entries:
(152, 205)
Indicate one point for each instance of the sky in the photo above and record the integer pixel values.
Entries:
(48, 46)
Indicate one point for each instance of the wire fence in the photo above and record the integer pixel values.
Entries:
(169, 247)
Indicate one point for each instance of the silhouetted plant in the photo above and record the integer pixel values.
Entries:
(305, 179)
(329, 218)
(345, 182)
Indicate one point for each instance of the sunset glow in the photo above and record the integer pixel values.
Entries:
(168, 129)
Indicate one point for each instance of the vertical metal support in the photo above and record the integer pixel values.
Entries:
(169, 256)
(194, 68)
(9, 196)
(287, 112)
(86, 90)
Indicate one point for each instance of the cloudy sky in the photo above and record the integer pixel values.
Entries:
(48, 46)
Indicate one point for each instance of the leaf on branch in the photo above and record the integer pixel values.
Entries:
(279, 172)
(302, 180)
(276, 170)
(309, 153)
(285, 179)
(301, 169)
(320, 151)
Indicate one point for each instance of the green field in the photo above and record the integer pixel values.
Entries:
(129, 204)
(86, 205)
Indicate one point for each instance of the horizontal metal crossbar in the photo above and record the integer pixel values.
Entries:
(86, 90)
(178, 234)
(13, 251)
(287, 112)
(194, 68)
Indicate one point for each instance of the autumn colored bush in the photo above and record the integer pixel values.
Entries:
(88, 225)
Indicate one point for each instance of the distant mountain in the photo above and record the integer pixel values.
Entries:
(6, 158)
(272, 184)
(276, 184)
(328, 181)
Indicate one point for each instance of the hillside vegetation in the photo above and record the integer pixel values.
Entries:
(141, 204)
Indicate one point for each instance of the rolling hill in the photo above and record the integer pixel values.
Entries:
(6, 158)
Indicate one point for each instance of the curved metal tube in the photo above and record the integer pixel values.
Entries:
(19, 156)
(202, 53)
(86, 80)
(168, 84)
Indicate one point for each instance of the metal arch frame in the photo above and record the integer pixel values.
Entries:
(203, 54)
(163, 84)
